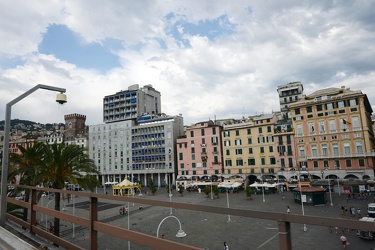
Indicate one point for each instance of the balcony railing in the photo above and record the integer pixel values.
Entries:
(355, 155)
(96, 226)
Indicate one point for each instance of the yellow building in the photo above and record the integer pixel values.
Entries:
(249, 149)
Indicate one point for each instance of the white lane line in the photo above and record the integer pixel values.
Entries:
(268, 240)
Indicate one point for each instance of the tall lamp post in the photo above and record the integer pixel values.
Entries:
(61, 98)
(180, 232)
(329, 185)
(300, 189)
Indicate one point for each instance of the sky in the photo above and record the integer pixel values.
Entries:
(209, 59)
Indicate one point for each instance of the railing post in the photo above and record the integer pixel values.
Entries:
(33, 212)
(285, 239)
(93, 218)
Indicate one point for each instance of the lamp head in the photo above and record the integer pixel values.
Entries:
(61, 98)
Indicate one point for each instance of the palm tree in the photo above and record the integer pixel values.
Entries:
(67, 163)
(26, 165)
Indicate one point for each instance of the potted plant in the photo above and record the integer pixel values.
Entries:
(248, 192)
(181, 189)
(152, 187)
(206, 190)
(215, 190)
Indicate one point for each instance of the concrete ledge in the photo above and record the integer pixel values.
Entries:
(10, 241)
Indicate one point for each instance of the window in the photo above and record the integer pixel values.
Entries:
(322, 127)
(202, 132)
(251, 162)
(260, 130)
(238, 151)
(352, 102)
(239, 162)
(288, 139)
(193, 165)
(361, 162)
(359, 147)
(261, 150)
(228, 163)
(316, 165)
(324, 150)
(314, 151)
(341, 104)
(344, 126)
(281, 150)
(332, 126)
(269, 129)
(270, 149)
(355, 123)
(290, 162)
(214, 130)
(249, 131)
(329, 106)
(192, 150)
(348, 163)
(203, 141)
(181, 156)
(263, 161)
(193, 156)
(272, 160)
(227, 143)
(237, 142)
(270, 138)
(346, 148)
(261, 139)
(227, 152)
(309, 109)
(226, 134)
(335, 149)
(297, 111)
(299, 129)
(319, 107)
(249, 141)
(214, 140)
(250, 150)
(216, 159)
(290, 150)
(302, 151)
(311, 128)
(182, 165)
(282, 162)
(237, 132)
(191, 133)
(337, 164)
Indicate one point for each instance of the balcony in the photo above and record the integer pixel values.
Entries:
(354, 155)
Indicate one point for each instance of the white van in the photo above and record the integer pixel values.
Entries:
(371, 210)
(368, 235)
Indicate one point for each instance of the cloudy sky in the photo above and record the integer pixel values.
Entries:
(207, 58)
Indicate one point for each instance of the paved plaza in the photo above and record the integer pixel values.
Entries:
(209, 231)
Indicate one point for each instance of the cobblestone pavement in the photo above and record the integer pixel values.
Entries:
(209, 231)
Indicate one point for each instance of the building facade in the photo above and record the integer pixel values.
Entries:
(334, 134)
(131, 103)
(199, 152)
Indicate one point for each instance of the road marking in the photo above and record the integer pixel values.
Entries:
(268, 241)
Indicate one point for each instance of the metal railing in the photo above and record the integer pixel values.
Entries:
(95, 226)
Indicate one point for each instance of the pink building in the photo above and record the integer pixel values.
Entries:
(199, 153)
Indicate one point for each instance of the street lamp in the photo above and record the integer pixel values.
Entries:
(329, 184)
(300, 189)
(264, 200)
(60, 98)
(229, 220)
(180, 232)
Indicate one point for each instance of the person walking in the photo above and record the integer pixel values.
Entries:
(226, 246)
(343, 241)
(342, 210)
(359, 213)
(288, 209)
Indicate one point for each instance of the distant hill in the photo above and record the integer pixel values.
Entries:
(15, 122)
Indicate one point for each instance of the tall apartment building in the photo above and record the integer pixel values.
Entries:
(199, 152)
(249, 148)
(131, 103)
(334, 134)
(138, 150)
(289, 93)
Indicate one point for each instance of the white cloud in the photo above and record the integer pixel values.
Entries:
(320, 44)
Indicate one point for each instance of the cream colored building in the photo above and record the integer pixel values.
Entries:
(334, 135)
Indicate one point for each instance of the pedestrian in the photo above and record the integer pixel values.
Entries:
(226, 246)
(353, 211)
(346, 210)
(126, 210)
(359, 213)
(343, 241)
(342, 210)
(162, 236)
(288, 209)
